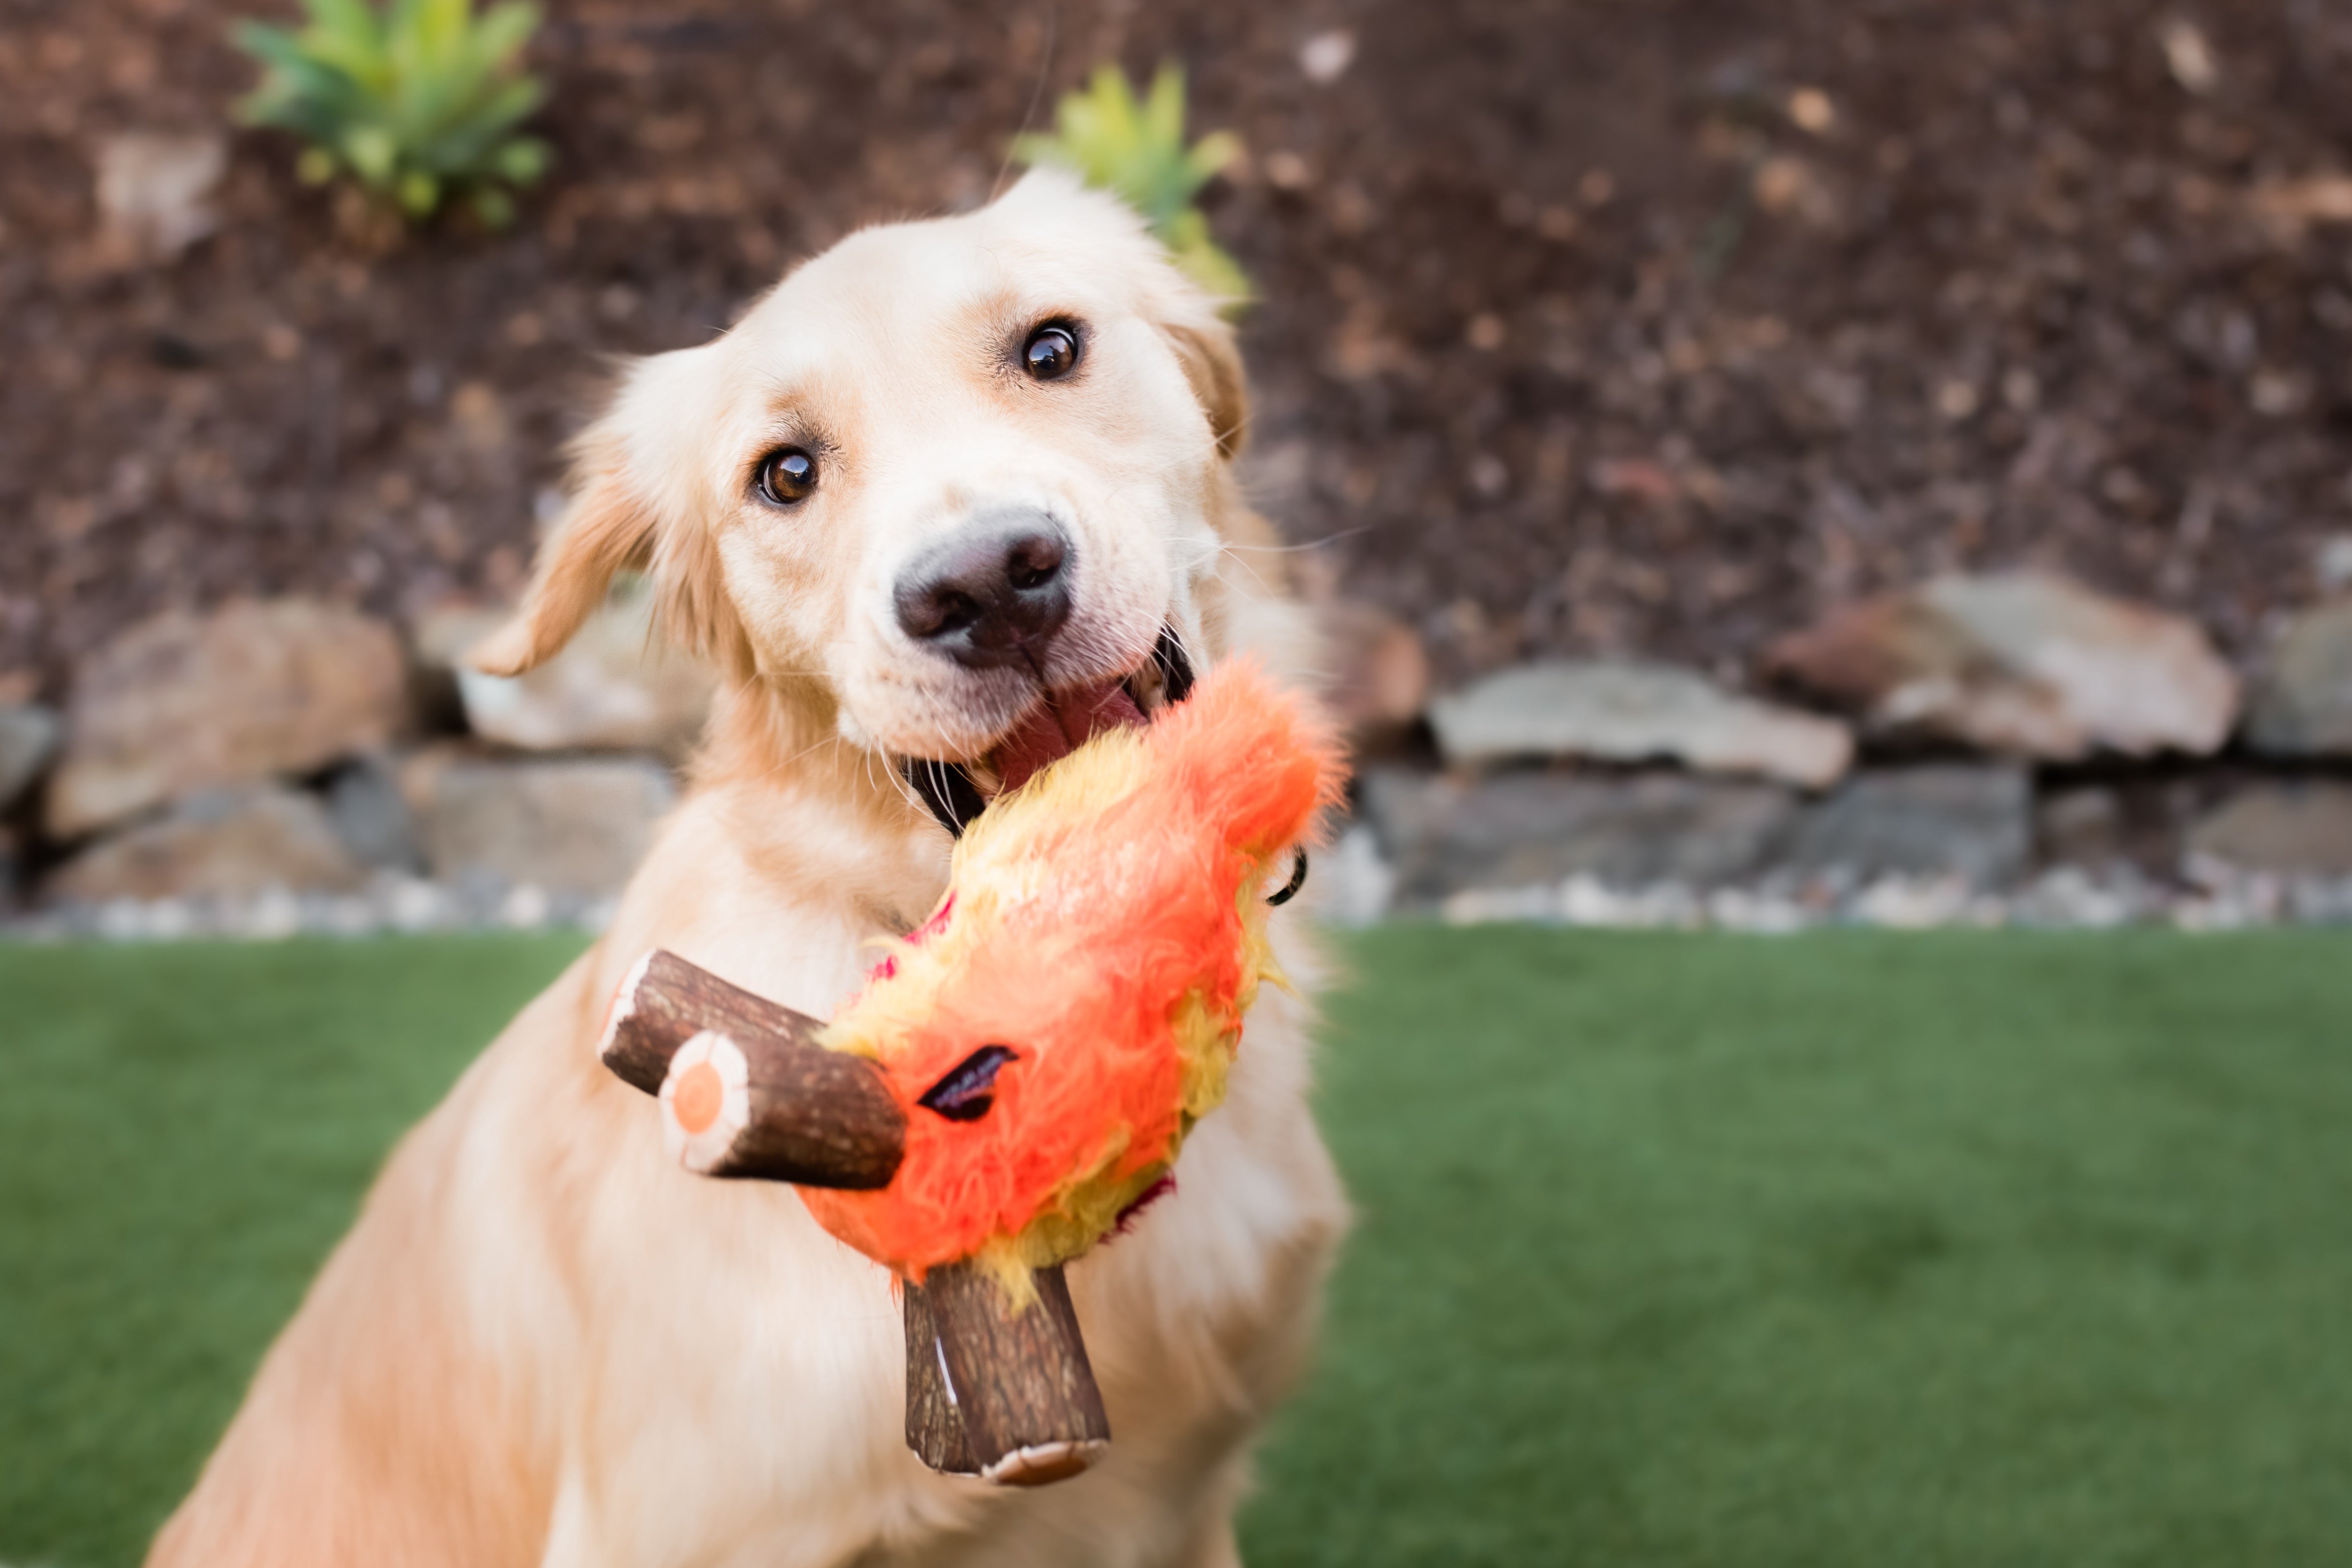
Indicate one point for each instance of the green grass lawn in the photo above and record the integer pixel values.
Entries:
(1964, 1248)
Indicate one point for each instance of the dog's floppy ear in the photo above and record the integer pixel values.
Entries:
(633, 508)
(1212, 364)
(608, 529)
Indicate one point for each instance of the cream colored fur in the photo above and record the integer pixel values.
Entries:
(543, 1342)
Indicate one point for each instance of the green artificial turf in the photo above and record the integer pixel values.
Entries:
(1849, 1250)
(1964, 1248)
(183, 1134)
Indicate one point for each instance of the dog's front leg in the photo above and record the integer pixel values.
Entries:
(1214, 1543)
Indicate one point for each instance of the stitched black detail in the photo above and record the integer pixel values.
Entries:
(968, 1089)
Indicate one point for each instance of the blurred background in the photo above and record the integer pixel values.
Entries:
(1760, 467)
(1653, 337)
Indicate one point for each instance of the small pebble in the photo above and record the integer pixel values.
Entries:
(1325, 58)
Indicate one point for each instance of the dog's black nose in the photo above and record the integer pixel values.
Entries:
(993, 593)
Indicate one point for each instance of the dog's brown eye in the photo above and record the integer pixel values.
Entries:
(787, 475)
(1052, 353)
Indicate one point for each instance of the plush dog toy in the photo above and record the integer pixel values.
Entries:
(1020, 1071)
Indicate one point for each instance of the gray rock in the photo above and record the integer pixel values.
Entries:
(2334, 565)
(183, 702)
(1972, 823)
(2022, 665)
(1377, 671)
(155, 190)
(1446, 834)
(2081, 827)
(28, 738)
(1628, 711)
(2299, 829)
(226, 844)
(615, 687)
(2302, 706)
(575, 827)
(372, 817)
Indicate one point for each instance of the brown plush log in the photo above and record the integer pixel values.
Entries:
(747, 1091)
(1008, 1395)
(934, 1430)
(761, 1097)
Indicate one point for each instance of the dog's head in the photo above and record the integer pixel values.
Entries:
(953, 485)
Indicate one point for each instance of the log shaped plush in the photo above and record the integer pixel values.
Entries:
(1072, 1006)
(1021, 1071)
(998, 1384)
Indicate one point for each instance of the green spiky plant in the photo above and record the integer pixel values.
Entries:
(1135, 149)
(419, 101)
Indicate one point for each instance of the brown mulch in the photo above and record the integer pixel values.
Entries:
(1573, 336)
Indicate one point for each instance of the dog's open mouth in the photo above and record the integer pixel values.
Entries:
(1060, 725)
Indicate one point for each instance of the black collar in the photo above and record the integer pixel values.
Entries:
(947, 787)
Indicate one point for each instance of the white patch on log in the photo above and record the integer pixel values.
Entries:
(702, 1152)
(1045, 1463)
(947, 1378)
(625, 1002)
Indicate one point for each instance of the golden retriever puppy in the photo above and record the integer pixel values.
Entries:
(947, 492)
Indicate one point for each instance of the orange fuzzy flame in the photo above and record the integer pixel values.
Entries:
(1106, 923)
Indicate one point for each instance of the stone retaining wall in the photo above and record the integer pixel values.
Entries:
(2009, 750)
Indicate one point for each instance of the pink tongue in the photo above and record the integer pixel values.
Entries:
(1059, 725)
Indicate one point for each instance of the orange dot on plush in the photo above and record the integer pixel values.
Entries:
(696, 1099)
